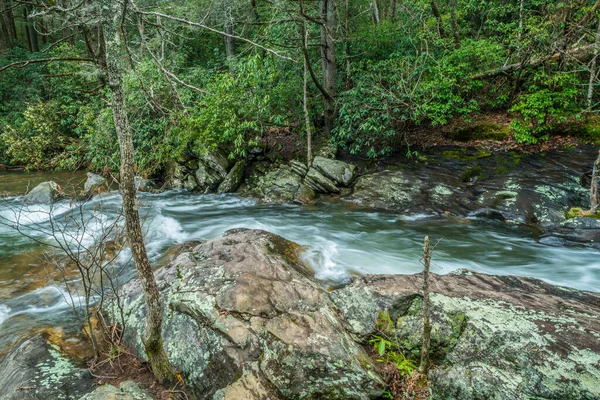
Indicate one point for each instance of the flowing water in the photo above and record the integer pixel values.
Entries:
(340, 240)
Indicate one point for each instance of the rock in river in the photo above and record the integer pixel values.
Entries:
(493, 337)
(36, 370)
(245, 319)
(44, 193)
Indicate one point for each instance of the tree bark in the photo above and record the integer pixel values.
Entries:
(455, 33)
(152, 337)
(305, 102)
(328, 62)
(438, 17)
(375, 12)
(31, 32)
(593, 72)
(594, 186)
(426, 317)
(229, 42)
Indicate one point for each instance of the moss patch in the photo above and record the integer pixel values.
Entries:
(579, 212)
(480, 131)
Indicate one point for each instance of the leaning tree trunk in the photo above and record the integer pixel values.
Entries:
(594, 186)
(328, 62)
(426, 304)
(152, 337)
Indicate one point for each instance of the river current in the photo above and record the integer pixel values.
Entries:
(339, 240)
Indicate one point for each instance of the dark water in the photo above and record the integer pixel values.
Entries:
(339, 239)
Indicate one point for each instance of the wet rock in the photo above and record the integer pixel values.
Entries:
(578, 231)
(44, 193)
(298, 167)
(35, 370)
(208, 180)
(278, 186)
(94, 184)
(320, 183)
(493, 337)
(128, 390)
(233, 179)
(216, 162)
(338, 171)
(534, 190)
(244, 318)
(190, 183)
(143, 184)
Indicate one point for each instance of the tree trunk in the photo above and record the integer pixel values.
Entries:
(31, 32)
(455, 33)
(426, 317)
(152, 337)
(594, 186)
(347, 48)
(328, 62)
(229, 43)
(438, 18)
(375, 12)
(305, 103)
(593, 72)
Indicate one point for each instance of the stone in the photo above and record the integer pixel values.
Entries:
(320, 183)
(493, 337)
(216, 162)
(207, 179)
(36, 370)
(190, 183)
(298, 167)
(143, 184)
(44, 193)
(233, 179)
(127, 390)
(244, 318)
(277, 186)
(94, 184)
(328, 151)
(338, 171)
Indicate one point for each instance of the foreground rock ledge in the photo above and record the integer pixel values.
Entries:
(245, 319)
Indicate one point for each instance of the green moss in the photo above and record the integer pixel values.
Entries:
(481, 131)
(471, 172)
(463, 154)
(579, 212)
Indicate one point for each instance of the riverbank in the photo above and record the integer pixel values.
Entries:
(376, 222)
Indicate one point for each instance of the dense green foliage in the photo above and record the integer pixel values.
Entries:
(398, 69)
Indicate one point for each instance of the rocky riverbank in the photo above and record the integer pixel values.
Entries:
(246, 319)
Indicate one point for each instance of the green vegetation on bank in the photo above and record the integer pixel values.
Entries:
(398, 66)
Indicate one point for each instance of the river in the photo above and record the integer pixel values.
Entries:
(340, 240)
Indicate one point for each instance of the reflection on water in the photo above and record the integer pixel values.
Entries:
(340, 241)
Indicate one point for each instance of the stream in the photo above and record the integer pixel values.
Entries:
(340, 241)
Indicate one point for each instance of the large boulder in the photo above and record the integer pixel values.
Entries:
(36, 370)
(338, 171)
(278, 186)
(44, 193)
(535, 190)
(94, 184)
(244, 319)
(493, 337)
(320, 183)
(233, 180)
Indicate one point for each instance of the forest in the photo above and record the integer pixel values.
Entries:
(231, 74)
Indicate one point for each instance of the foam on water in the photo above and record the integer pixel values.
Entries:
(4, 313)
